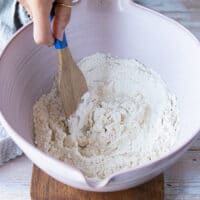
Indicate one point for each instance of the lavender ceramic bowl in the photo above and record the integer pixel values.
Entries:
(123, 29)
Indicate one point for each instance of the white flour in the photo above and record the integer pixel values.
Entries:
(128, 119)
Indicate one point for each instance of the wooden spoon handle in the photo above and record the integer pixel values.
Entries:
(71, 81)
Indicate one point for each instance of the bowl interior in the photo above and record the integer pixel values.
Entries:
(27, 70)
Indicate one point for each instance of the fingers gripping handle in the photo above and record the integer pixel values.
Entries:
(58, 43)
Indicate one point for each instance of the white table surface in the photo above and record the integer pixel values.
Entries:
(182, 180)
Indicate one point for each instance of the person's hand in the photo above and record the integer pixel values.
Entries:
(39, 10)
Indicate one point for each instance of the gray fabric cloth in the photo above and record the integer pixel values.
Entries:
(8, 149)
(12, 17)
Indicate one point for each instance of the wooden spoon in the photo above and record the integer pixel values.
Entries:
(71, 81)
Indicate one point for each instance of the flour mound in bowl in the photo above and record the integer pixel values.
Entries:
(127, 119)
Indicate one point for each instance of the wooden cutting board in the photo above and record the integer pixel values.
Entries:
(43, 187)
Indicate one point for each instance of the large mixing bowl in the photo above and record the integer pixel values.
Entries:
(123, 29)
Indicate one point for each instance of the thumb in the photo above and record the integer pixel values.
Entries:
(41, 25)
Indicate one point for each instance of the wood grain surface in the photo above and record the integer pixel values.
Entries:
(43, 187)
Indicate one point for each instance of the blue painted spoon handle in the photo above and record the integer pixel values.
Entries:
(71, 82)
(58, 43)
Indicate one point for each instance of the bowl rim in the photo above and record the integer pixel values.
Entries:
(177, 149)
